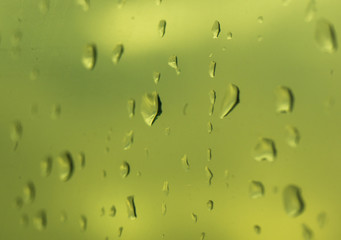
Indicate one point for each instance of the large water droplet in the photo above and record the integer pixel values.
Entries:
(89, 56)
(215, 29)
(293, 201)
(66, 167)
(46, 166)
(83, 223)
(29, 192)
(125, 169)
(230, 100)
(265, 150)
(209, 205)
(209, 174)
(325, 36)
(211, 69)
(293, 136)
(131, 207)
(162, 27)
(165, 187)
(40, 220)
(185, 162)
(310, 11)
(284, 100)
(128, 140)
(16, 133)
(117, 53)
(307, 232)
(173, 63)
(212, 98)
(256, 189)
(150, 107)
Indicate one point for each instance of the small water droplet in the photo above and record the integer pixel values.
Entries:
(209, 205)
(293, 201)
(163, 208)
(257, 229)
(173, 63)
(209, 127)
(56, 111)
(151, 107)
(194, 217)
(46, 166)
(16, 133)
(81, 159)
(131, 207)
(256, 189)
(24, 220)
(65, 163)
(215, 29)
(212, 98)
(131, 108)
(310, 11)
(322, 219)
(62, 217)
(34, 109)
(185, 162)
(307, 232)
(230, 100)
(102, 212)
(18, 203)
(29, 192)
(84, 4)
(260, 19)
(104, 173)
(284, 100)
(165, 187)
(209, 174)
(117, 53)
(125, 169)
(202, 236)
(83, 223)
(128, 140)
(293, 136)
(162, 27)
(40, 220)
(184, 110)
(325, 36)
(209, 154)
(120, 231)
(265, 150)
(229, 36)
(212, 68)
(156, 77)
(167, 131)
(112, 211)
(89, 56)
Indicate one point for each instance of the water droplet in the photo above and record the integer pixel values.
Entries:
(257, 229)
(83, 222)
(209, 154)
(81, 159)
(40, 220)
(229, 36)
(209, 174)
(211, 69)
(44, 6)
(163, 208)
(325, 36)
(293, 201)
(131, 108)
(210, 205)
(112, 211)
(102, 212)
(173, 63)
(322, 219)
(264, 150)
(117, 53)
(18, 203)
(230, 100)
(165, 187)
(65, 163)
(56, 111)
(215, 29)
(307, 232)
(16, 133)
(151, 107)
(284, 100)
(202, 236)
(89, 56)
(260, 19)
(209, 127)
(34, 109)
(310, 11)
(293, 136)
(162, 27)
(194, 217)
(29, 192)
(125, 169)
(120, 231)
(84, 4)
(16, 38)
(104, 173)
(185, 162)
(256, 189)
(212, 97)
(46, 166)
(156, 77)
(128, 140)
(184, 110)
(131, 207)
(24, 220)
(62, 217)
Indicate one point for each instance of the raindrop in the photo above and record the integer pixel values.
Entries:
(128, 140)
(24, 220)
(260, 19)
(131, 108)
(194, 217)
(293, 136)
(65, 163)
(256, 189)
(321, 219)
(131, 207)
(212, 98)
(209, 154)
(117, 53)
(44, 6)
(325, 36)
(81, 159)
(120, 231)
(165, 187)
(215, 29)
(265, 150)
(211, 69)
(209, 127)
(16, 133)
(163, 208)
(307, 232)
(62, 217)
(156, 77)
(29, 192)
(284, 100)
(310, 11)
(293, 201)
(229, 36)
(230, 100)
(173, 63)
(83, 222)
(185, 162)
(89, 56)
(210, 205)
(18, 203)
(125, 169)
(46, 166)
(209, 174)
(257, 229)
(56, 111)
(40, 220)
(151, 107)
(112, 211)
(162, 27)
(84, 4)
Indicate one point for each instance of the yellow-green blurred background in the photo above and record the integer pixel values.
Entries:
(41, 48)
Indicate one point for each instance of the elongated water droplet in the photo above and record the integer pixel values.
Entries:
(56, 111)
(117, 53)
(66, 166)
(212, 98)
(150, 107)
(40, 220)
(84, 4)
(83, 223)
(265, 150)
(163, 208)
(209, 154)
(202, 236)
(102, 212)
(325, 36)
(125, 169)
(165, 187)
(81, 159)
(209, 174)
(284, 100)
(310, 11)
(128, 140)
(307, 232)
(256, 189)
(167, 131)
(156, 77)
(46, 166)
(120, 231)
(229, 36)
(257, 229)
(131, 207)
(89, 56)
(29, 192)
(173, 63)
(24, 220)
(162, 27)
(16, 133)
(293, 136)
(194, 217)
(322, 219)
(230, 100)
(185, 162)
(131, 108)
(215, 29)
(211, 69)
(112, 211)
(209, 127)
(293, 201)
(44, 6)
(209, 205)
